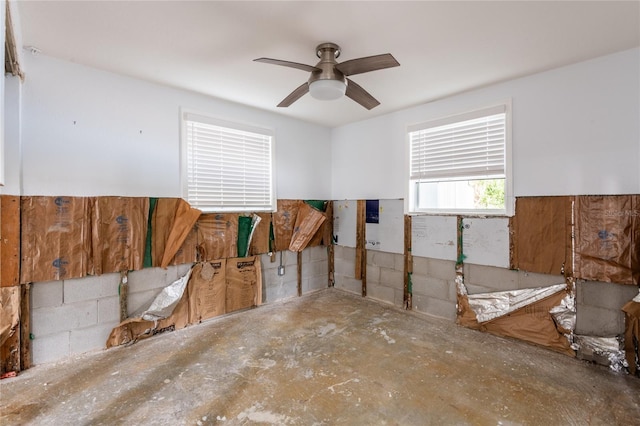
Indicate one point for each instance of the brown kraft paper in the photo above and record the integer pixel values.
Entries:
(184, 219)
(632, 335)
(217, 236)
(284, 221)
(56, 238)
(607, 238)
(244, 283)
(207, 290)
(9, 312)
(119, 229)
(541, 234)
(260, 239)
(532, 323)
(161, 224)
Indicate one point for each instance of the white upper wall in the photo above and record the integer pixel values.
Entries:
(576, 130)
(88, 132)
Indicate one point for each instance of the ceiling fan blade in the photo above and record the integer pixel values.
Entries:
(366, 64)
(361, 96)
(295, 95)
(289, 64)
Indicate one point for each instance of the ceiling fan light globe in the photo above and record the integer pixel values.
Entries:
(327, 90)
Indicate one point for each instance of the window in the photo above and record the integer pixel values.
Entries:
(227, 166)
(461, 164)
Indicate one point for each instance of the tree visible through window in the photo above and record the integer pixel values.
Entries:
(461, 163)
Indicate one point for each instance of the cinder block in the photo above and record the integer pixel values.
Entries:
(381, 259)
(346, 253)
(51, 348)
(399, 262)
(319, 282)
(90, 338)
(267, 264)
(430, 287)
(597, 321)
(533, 280)
(265, 260)
(605, 295)
(398, 298)
(138, 302)
(279, 291)
(453, 291)
(344, 267)
(391, 278)
(498, 279)
(108, 310)
(434, 307)
(90, 288)
(315, 268)
(304, 255)
(420, 266)
(380, 293)
(443, 269)
(270, 275)
(373, 274)
(150, 278)
(45, 321)
(46, 294)
(349, 284)
(477, 289)
(318, 253)
(289, 258)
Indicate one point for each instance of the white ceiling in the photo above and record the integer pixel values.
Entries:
(444, 47)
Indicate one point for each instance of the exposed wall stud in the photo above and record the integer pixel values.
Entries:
(408, 263)
(25, 326)
(123, 291)
(361, 252)
(299, 273)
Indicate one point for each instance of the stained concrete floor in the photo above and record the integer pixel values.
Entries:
(326, 358)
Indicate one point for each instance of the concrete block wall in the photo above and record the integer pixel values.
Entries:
(434, 287)
(433, 280)
(344, 261)
(598, 307)
(315, 274)
(385, 274)
(385, 277)
(315, 269)
(484, 279)
(75, 316)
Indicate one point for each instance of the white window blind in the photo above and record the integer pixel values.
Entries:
(471, 146)
(228, 168)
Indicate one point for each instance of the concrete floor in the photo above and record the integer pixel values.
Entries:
(326, 358)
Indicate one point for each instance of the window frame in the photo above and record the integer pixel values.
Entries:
(193, 115)
(411, 195)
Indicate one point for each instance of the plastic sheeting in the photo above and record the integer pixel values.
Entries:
(165, 302)
(488, 306)
(603, 347)
(565, 313)
(524, 315)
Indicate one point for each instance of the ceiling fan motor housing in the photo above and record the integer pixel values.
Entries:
(327, 52)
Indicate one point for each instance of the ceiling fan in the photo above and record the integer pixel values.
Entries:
(328, 78)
